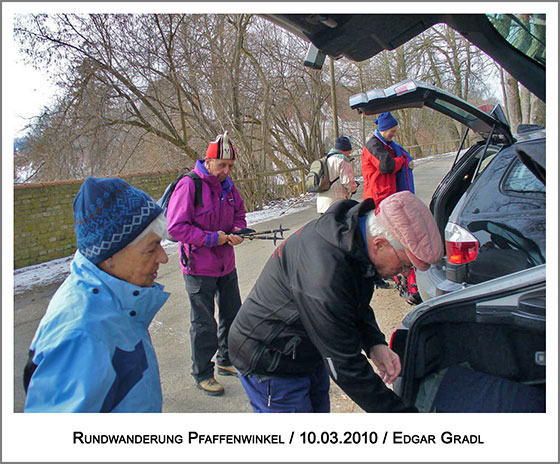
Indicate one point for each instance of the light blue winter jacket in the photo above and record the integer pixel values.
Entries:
(92, 349)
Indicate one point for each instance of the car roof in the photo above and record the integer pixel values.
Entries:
(362, 36)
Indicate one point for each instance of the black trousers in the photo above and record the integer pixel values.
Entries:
(207, 335)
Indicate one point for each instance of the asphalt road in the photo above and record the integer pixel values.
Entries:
(170, 327)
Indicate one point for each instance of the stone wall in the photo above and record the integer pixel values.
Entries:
(43, 216)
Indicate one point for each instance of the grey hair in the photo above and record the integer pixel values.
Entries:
(158, 226)
(376, 229)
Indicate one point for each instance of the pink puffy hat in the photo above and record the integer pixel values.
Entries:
(410, 221)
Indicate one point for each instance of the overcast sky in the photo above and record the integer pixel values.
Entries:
(33, 93)
(25, 90)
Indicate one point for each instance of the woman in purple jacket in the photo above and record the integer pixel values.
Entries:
(204, 232)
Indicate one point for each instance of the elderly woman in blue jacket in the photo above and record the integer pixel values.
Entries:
(92, 351)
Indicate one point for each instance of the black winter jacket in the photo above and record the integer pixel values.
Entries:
(311, 304)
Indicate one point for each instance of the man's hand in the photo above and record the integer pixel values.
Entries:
(235, 239)
(222, 238)
(411, 164)
(386, 361)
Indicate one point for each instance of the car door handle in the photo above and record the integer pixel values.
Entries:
(476, 211)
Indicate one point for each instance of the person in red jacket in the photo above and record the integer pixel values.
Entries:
(386, 166)
(387, 169)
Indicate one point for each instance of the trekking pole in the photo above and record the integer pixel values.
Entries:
(252, 234)
(299, 200)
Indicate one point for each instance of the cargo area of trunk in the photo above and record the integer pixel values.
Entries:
(482, 357)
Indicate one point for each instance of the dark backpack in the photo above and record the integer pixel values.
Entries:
(317, 179)
(164, 200)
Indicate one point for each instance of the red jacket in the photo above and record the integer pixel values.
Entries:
(379, 166)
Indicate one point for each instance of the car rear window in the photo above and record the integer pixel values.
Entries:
(521, 180)
(455, 109)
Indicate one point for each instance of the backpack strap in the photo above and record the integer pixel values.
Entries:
(328, 155)
(197, 202)
(197, 188)
(184, 259)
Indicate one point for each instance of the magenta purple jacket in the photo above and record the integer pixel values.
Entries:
(196, 228)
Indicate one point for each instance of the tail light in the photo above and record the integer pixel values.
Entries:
(391, 340)
(460, 245)
(398, 341)
(406, 87)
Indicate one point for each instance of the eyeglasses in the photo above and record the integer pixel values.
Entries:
(405, 268)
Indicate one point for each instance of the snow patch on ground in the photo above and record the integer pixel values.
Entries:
(57, 270)
(40, 275)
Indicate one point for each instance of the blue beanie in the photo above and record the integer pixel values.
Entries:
(108, 215)
(343, 144)
(385, 121)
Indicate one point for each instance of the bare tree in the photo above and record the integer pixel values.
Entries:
(181, 79)
(140, 91)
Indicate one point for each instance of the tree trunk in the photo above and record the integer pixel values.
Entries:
(538, 111)
(513, 101)
(362, 115)
(333, 99)
(525, 99)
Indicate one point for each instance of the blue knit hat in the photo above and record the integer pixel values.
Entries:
(385, 121)
(108, 215)
(343, 144)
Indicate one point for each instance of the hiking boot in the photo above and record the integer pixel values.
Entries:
(211, 387)
(227, 370)
(414, 299)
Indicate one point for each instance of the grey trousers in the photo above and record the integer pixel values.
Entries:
(207, 335)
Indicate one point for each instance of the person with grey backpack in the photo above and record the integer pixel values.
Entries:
(340, 170)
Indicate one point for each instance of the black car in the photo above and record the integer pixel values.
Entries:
(481, 348)
(491, 206)
(498, 225)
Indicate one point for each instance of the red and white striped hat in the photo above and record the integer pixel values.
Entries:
(221, 148)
